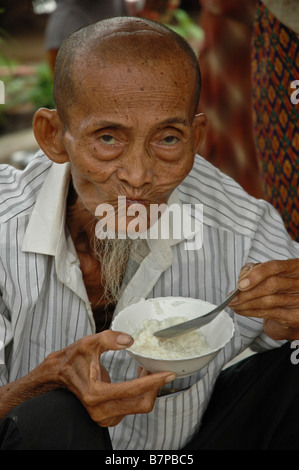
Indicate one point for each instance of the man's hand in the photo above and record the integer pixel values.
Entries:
(106, 402)
(271, 291)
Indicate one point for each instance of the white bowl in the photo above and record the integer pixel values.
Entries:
(217, 333)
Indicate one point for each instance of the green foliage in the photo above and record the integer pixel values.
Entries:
(41, 93)
(185, 26)
(35, 89)
(32, 88)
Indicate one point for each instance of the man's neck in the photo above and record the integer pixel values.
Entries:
(80, 222)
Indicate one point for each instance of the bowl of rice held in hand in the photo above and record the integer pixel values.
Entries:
(183, 354)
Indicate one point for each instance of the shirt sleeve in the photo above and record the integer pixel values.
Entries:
(270, 242)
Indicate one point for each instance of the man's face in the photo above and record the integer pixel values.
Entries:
(131, 134)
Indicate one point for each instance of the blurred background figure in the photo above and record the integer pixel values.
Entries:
(70, 15)
(275, 65)
(225, 62)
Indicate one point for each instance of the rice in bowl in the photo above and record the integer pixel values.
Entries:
(189, 344)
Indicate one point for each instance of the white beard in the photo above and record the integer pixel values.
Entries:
(113, 255)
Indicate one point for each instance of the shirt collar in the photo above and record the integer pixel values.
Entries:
(46, 223)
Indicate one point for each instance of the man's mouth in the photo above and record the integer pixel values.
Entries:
(130, 201)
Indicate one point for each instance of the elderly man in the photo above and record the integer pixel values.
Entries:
(127, 92)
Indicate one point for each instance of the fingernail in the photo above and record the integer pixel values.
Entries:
(170, 378)
(247, 267)
(244, 283)
(245, 270)
(124, 340)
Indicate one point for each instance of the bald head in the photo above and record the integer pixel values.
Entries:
(130, 41)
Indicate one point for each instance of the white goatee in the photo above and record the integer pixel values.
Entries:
(113, 255)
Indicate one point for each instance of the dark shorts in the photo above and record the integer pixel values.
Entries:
(254, 406)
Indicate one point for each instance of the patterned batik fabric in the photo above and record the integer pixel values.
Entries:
(275, 66)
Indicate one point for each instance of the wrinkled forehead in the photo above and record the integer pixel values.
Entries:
(132, 74)
(143, 47)
(126, 27)
(145, 55)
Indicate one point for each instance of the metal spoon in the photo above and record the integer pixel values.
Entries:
(195, 323)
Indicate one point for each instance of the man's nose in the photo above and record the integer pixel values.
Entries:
(136, 169)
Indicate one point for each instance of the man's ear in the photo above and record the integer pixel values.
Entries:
(199, 126)
(47, 128)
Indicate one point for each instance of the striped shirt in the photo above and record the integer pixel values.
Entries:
(44, 304)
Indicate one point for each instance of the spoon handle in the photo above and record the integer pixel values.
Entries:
(195, 323)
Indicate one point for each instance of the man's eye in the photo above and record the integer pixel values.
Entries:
(107, 139)
(170, 140)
